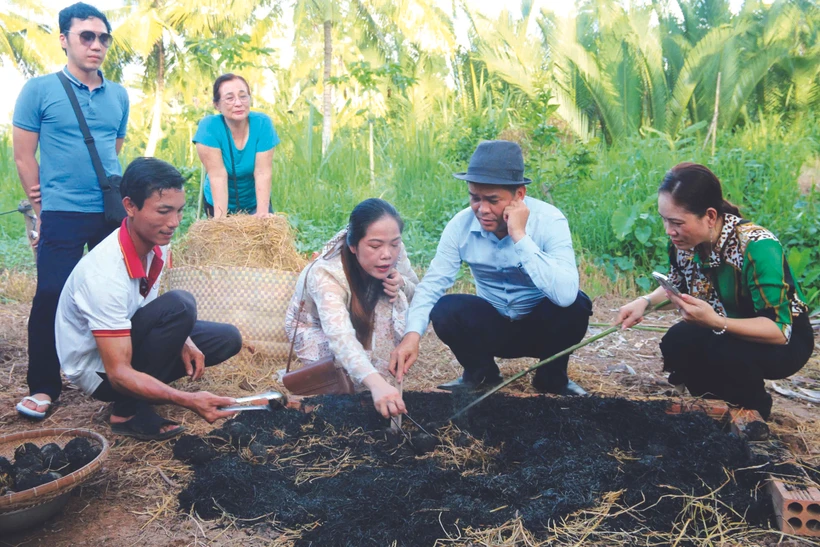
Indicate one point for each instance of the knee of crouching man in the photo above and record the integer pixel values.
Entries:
(233, 343)
(184, 302)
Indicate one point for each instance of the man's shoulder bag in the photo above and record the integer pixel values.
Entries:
(321, 377)
(109, 184)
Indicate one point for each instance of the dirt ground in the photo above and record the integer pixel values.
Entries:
(134, 499)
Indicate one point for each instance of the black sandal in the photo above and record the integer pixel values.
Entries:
(146, 425)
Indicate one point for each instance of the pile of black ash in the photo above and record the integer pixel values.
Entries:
(35, 466)
(539, 458)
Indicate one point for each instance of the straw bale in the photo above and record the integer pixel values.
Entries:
(241, 270)
(240, 240)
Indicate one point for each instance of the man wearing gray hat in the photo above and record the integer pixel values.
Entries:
(527, 301)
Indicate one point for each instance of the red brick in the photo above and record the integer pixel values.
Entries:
(748, 423)
(797, 507)
(715, 409)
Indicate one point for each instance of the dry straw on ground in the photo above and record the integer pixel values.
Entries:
(17, 286)
(463, 451)
(240, 240)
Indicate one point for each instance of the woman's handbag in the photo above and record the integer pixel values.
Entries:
(321, 377)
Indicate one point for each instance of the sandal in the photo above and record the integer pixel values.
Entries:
(146, 425)
(33, 412)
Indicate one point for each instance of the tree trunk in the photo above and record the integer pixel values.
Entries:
(156, 119)
(326, 99)
(372, 159)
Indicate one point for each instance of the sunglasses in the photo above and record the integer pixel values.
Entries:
(87, 38)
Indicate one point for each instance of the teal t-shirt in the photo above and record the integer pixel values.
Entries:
(261, 138)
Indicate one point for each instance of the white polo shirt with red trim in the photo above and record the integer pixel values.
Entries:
(101, 295)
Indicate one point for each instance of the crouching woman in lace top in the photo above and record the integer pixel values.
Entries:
(355, 300)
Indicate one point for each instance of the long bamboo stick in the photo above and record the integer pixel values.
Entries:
(540, 364)
(650, 328)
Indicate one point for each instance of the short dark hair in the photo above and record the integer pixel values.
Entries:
(81, 11)
(227, 78)
(696, 188)
(145, 176)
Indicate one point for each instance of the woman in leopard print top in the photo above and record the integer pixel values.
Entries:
(744, 317)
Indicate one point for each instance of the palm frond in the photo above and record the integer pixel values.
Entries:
(706, 51)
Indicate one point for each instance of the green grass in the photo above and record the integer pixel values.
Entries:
(600, 190)
(14, 249)
(758, 167)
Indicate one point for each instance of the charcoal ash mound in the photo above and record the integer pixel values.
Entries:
(5, 466)
(35, 466)
(54, 458)
(30, 450)
(538, 458)
(194, 450)
(27, 463)
(79, 453)
(250, 427)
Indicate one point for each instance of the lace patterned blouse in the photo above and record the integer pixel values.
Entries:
(324, 326)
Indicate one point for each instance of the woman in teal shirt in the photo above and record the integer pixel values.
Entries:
(236, 148)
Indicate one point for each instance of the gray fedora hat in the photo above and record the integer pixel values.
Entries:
(496, 162)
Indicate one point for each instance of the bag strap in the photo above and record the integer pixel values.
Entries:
(102, 177)
(233, 165)
(298, 315)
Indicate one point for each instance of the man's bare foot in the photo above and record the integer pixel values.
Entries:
(122, 419)
(28, 403)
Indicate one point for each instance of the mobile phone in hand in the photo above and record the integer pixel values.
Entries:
(664, 282)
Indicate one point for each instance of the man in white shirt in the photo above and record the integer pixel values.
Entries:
(527, 301)
(120, 342)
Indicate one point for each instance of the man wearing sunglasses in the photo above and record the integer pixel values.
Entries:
(63, 186)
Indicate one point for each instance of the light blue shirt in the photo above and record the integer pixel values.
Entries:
(67, 178)
(513, 277)
(261, 138)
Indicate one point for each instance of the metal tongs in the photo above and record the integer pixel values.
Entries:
(275, 400)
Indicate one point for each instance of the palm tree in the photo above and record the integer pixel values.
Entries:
(157, 32)
(379, 32)
(308, 14)
(645, 68)
(26, 37)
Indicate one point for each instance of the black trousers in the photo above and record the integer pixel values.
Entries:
(477, 333)
(728, 368)
(63, 236)
(158, 332)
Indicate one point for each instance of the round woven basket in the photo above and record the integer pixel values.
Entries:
(51, 490)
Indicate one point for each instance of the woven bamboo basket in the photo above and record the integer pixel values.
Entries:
(45, 493)
(254, 300)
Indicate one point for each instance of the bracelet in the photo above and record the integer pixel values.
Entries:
(724, 329)
(648, 300)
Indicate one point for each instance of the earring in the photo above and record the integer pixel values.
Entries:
(711, 240)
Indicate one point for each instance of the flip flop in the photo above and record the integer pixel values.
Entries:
(30, 412)
(146, 425)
